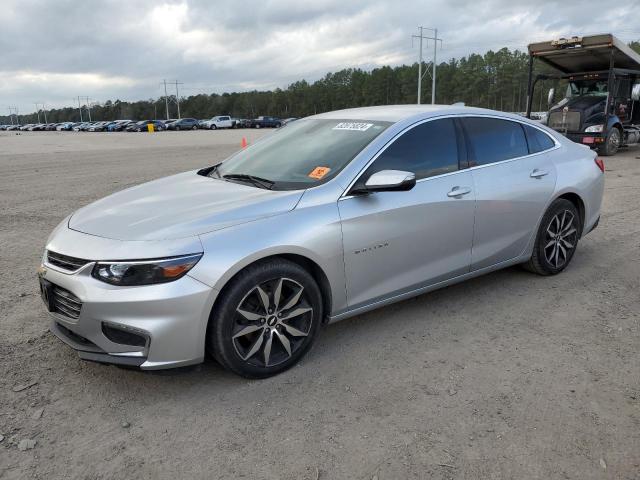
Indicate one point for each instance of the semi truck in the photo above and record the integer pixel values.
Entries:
(601, 104)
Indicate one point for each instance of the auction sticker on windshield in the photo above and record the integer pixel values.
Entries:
(357, 126)
(319, 172)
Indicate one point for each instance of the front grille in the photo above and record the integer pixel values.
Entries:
(65, 302)
(65, 262)
(571, 122)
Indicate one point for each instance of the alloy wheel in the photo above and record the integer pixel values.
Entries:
(561, 238)
(271, 322)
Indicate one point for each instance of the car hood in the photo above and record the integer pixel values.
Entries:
(179, 206)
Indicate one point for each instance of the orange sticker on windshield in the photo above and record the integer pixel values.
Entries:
(319, 172)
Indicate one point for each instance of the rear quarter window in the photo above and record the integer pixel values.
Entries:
(538, 140)
(493, 140)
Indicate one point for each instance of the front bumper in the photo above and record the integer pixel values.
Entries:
(171, 318)
(593, 140)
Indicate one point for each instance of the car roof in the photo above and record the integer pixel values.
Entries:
(397, 113)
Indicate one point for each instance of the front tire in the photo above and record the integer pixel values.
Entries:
(557, 239)
(212, 127)
(612, 143)
(266, 319)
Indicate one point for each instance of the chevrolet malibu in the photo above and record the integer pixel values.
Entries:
(329, 217)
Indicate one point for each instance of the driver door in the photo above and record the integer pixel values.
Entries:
(395, 242)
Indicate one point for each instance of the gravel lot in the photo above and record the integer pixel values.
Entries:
(507, 376)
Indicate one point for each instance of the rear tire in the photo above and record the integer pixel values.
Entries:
(556, 240)
(266, 319)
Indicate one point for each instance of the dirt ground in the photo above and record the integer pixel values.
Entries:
(507, 376)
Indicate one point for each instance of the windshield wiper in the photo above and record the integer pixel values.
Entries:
(257, 181)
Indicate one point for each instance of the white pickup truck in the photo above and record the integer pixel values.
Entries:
(219, 121)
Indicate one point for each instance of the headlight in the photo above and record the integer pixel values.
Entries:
(144, 272)
(594, 129)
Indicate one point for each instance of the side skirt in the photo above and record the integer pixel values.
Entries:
(398, 297)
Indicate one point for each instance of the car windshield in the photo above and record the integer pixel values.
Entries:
(304, 153)
(587, 87)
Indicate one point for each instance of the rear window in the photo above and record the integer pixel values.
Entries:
(493, 140)
(538, 140)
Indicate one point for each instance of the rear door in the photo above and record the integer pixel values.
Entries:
(395, 242)
(514, 179)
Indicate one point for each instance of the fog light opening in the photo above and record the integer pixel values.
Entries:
(124, 335)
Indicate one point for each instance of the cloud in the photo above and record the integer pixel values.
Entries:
(54, 51)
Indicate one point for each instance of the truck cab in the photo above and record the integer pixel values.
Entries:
(600, 79)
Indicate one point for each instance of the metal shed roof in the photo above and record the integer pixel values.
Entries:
(586, 54)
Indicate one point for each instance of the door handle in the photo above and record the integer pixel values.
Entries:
(538, 173)
(457, 192)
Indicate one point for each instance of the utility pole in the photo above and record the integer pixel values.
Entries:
(37, 111)
(176, 83)
(435, 61)
(79, 108)
(44, 111)
(88, 106)
(166, 98)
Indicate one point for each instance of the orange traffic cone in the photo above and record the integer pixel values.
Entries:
(244, 143)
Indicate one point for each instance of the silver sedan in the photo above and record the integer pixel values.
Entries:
(326, 218)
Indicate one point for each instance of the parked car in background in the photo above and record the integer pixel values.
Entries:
(219, 121)
(118, 125)
(98, 127)
(65, 126)
(242, 123)
(289, 120)
(141, 126)
(13, 127)
(266, 122)
(183, 124)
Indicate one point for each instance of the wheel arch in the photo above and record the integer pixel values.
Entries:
(577, 202)
(305, 262)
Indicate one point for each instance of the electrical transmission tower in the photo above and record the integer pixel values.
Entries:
(435, 40)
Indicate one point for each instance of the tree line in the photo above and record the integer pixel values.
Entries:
(496, 80)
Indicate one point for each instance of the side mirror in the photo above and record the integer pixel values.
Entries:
(635, 92)
(388, 181)
(550, 96)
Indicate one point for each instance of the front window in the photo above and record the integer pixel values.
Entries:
(304, 153)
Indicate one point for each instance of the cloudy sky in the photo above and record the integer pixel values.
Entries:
(53, 51)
